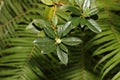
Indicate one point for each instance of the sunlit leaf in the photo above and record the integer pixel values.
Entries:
(64, 15)
(64, 29)
(63, 56)
(117, 76)
(31, 28)
(49, 11)
(86, 5)
(47, 2)
(79, 2)
(93, 25)
(72, 2)
(46, 45)
(39, 23)
(49, 32)
(74, 10)
(63, 47)
(94, 11)
(42, 41)
(86, 8)
(55, 20)
(71, 41)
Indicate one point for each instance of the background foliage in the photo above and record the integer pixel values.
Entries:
(21, 59)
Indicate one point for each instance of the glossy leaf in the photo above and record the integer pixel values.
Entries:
(86, 5)
(64, 15)
(60, 30)
(42, 41)
(86, 8)
(72, 2)
(47, 2)
(74, 10)
(86, 13)
(55, 20)
(63, 56)
(39, 23)
(79, 2)
(92, 25)
(94, 11)
(66, 28)
(46, 45)
(63, 30)
(31, 28)
(63, 47)
(49, 32)
(71, 41)
(49, 48)
(75, 21)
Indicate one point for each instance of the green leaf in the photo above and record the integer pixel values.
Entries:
(49, 48)
(74, 10)
(63, 30)
(60, 30)
(63, 57)
(63, 47)
(93, 11)
(71, 41)
(55, 1)
(64, 15)
(43, 41)
(47, 2)
(1, 5)
(75, 21)
(41, 34)
(79, 2)
(46, 45)
(31, 28)
(49, 32)
(117, 76)
(66, 28)
(92, 25)
(40, 23)
(86, 5)
(55, 20)
(86, 13)
(86, 8)
(110, 67)
(72, 2)
(48, 13)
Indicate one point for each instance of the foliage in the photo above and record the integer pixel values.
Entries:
(107, 41)
(38, 36)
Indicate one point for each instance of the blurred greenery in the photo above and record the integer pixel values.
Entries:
(59, 40)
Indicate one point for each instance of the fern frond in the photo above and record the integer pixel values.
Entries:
(79, 67)
(108, 41)
(17, 46)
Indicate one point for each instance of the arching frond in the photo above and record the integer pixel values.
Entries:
(80, 66)
(17, 46)
(108, 40)
(21, 59)
(109, 45)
